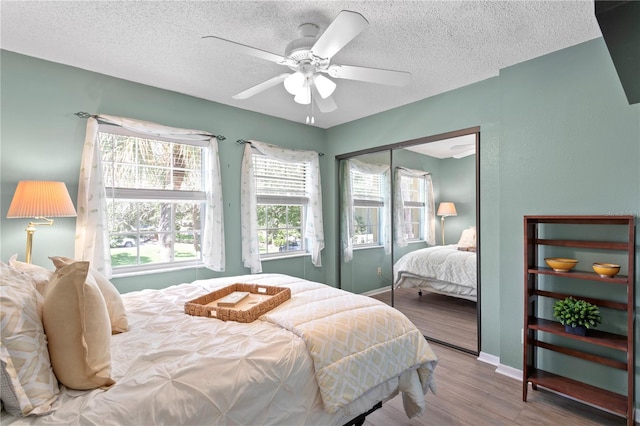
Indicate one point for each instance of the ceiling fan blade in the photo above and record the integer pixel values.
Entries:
(341, 31)
(261, 87)
(247, 50)
(324, 104)
(371, 75)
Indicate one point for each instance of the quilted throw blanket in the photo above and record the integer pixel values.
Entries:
(356, 343)
(443, 263)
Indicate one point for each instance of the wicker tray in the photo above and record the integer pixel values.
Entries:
(261, 299)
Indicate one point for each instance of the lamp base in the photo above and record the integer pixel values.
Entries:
(31, 228)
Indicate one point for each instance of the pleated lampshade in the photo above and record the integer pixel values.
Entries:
(41, 199)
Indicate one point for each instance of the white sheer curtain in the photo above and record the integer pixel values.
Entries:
(429, 223)
(92, 234)
(314, 232)
(347, 218)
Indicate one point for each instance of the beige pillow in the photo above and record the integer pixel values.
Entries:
(115, 307)
(77, 326)
(37, 274)
(468, 237)
(28, 385)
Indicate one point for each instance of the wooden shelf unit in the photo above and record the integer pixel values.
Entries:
(621, 404)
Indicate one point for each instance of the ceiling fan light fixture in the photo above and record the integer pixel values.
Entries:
(294, 83)
(324, 85)
(303, 96)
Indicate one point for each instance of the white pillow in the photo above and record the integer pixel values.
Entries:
(468, 237)
(37, 274)
(77, 326)
(115, 307)
(28, 383)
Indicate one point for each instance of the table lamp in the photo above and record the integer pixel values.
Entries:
(40, 200)
(444, 210)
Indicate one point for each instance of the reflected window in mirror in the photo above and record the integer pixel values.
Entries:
(366, 206)
(368, 202)
(414, 206)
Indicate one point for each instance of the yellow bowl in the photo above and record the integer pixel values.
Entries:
(606, 269)
(561, 264)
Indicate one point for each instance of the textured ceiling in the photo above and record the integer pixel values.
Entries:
(444, 44)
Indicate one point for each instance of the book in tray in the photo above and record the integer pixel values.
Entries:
(232, 299)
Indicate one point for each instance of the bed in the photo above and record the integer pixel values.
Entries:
(447, 270)
(325, 356)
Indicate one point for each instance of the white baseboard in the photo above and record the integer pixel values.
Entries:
(505, 370)
(376, 291)
(489, 359)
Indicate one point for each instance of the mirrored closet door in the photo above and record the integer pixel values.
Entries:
(415, 247)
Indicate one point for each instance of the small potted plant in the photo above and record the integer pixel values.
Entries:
(577, 316)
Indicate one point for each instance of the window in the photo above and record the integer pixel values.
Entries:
(365, 206)
(414, 207)
(368, 201)
(413, 196)
(281, 205)
(155, 200)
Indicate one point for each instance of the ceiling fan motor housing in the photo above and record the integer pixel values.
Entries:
(299, 50)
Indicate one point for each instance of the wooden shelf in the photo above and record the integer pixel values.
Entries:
(590, 394)
(620, 365)
(596, 337)
(581, 220)
(603, 245)
(599, 302)
(583, 275)
(623, 405)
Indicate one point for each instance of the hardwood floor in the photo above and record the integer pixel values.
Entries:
(470, 392)
(440, 317)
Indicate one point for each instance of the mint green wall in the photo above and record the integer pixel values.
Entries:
(42, 139)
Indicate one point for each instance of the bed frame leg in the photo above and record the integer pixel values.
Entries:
(359, 421)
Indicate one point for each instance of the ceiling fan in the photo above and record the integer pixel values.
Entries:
(309, 57)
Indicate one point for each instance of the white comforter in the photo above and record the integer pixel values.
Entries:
(171, 368)
(451, 270)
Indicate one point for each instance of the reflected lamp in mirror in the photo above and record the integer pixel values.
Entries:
(40, 200)
(444, 210)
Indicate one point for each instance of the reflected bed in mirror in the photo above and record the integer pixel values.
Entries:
(450, 270)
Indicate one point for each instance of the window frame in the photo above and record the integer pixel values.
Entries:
(286, 201)
(369, 204)
(142, 195)
(421, 205)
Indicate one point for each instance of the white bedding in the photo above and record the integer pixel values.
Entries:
(172, 368)
(443, 269)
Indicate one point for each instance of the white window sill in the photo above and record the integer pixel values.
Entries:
(284, 256)
(357, 248)
(171, 268)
